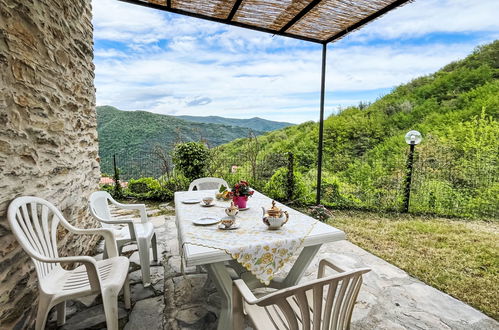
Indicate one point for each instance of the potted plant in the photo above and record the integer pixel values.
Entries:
(240, 193)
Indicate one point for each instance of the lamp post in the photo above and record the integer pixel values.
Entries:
(411, 138)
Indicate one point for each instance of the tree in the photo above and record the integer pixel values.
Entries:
(191, 159)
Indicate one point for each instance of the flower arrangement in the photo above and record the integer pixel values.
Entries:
(241, 189)
(240, 193)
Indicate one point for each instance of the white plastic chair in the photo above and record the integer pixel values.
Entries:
(140, 232)
(208, 184)
(34, 222)
(325, 303)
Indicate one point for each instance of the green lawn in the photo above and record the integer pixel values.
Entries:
(458, 257)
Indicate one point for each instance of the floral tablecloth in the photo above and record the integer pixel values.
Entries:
(261, 251)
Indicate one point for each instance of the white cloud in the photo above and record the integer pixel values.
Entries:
(430, 16)
(118, 21)
(179, 65)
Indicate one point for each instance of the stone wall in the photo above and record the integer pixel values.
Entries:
(48, 137)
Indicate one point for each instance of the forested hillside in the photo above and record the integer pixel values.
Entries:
(132, 134)
(457, 111)
(254, 123)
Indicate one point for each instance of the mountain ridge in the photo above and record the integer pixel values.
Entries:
(263, 124)
(132, 134)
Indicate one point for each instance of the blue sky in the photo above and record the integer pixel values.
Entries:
(170, 64)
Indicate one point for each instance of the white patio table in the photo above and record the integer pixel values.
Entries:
(301, 231)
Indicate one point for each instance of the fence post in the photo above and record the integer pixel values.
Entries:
(117, 184)
(291, 176)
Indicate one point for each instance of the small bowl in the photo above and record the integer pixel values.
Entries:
(208, 200)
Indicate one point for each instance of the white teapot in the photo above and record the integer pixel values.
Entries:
(274, 217)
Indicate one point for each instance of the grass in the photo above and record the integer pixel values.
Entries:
(458, 257)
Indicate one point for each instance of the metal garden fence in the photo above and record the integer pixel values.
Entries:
(466, 187)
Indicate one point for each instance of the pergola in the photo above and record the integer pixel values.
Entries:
(317, 21)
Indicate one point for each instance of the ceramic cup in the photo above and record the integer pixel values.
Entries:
(208, 200)
(228, 222)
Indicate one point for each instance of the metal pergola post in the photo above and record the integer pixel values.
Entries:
(321, 124)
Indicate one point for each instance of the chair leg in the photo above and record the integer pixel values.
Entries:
(154, 244)
(110, 302)
(237, 305)
(120, 248)
(42, 312)
(144, 260)
(126, 293)
(61, 313)
(104, 253)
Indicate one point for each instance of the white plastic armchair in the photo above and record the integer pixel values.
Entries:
(208, 184)
(34, 222)
(141, 232)
(325, 303)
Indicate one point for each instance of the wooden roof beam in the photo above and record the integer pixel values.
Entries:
(302, 13)
(234, 10)
(368, 19)
(218, 20)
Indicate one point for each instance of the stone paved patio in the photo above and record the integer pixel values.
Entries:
(389, 299)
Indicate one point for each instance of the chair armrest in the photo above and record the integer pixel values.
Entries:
(330, 264)
(112, 249)
(245, 292)
(89, 263)
(128, 222)
(140, 207)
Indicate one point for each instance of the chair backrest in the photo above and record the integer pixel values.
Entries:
(34, 222)
(99, 207)
(340, 292)
(208, 184)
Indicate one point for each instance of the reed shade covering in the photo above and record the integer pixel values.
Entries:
(320, 21)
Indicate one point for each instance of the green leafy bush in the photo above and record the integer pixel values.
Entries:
(176, 182)
(143, 185)
(148, 188)
(277, 186)
(191, 159)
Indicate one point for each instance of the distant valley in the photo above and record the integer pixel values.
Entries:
(133, 134)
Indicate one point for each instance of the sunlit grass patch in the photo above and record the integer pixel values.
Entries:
(458, 257)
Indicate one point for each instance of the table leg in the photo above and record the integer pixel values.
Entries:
(223, 282)
(301, 264)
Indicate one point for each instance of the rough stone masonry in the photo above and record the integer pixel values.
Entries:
(48, 137)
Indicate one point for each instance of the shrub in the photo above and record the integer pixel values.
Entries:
(143, 185)
(277, 186)
(176, 182)
(148, 188)
(334, 194)
(191, 159)
(108, 188)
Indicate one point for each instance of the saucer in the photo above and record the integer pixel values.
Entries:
(205, 221)
(209, 205)
(191, 201)
(222, 227)
(244, 209)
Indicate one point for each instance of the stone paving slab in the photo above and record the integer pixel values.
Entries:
(147, 314)
(389, 298)
(392, 299)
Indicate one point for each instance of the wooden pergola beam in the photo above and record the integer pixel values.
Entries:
(218, 20)
(302, 13)
(234, 10)
(367, 19)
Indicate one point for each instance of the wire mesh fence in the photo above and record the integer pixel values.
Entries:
(466, 186)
